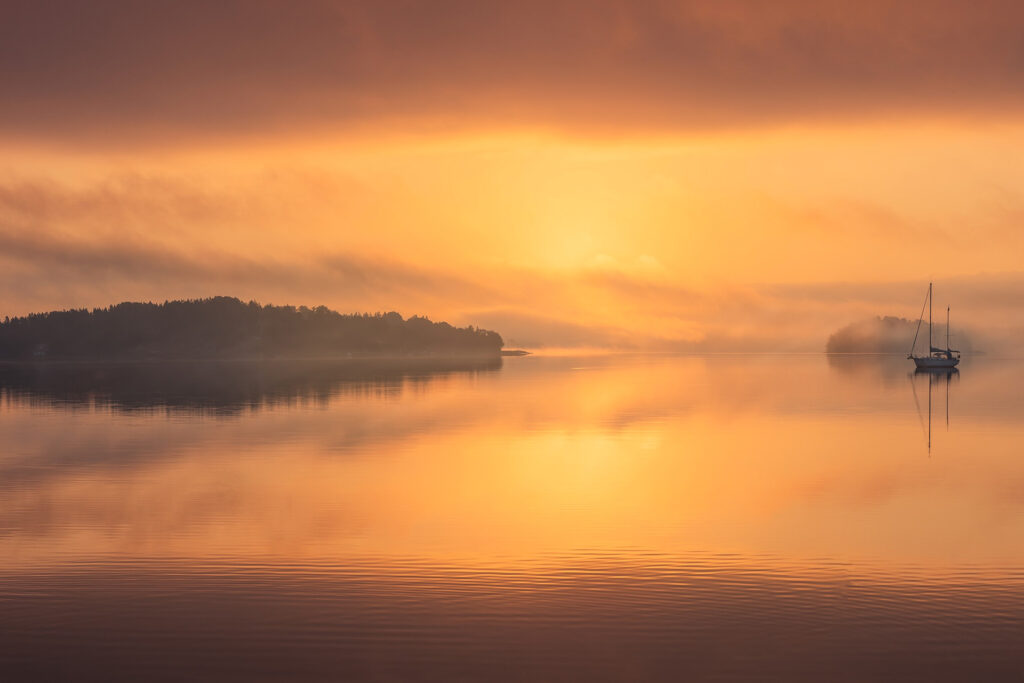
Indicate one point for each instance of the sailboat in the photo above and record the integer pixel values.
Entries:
(936, 358)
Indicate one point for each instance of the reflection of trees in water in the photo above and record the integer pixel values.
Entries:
(223, 387)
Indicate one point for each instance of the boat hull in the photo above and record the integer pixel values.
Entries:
(928, 363)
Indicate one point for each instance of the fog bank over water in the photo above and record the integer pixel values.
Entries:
(893, 335)
(539, 310)
(837, 317)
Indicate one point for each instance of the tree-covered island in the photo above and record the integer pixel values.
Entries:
(225, 327)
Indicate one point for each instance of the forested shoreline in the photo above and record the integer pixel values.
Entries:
(226, 327)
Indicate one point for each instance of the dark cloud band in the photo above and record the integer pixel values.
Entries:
(124, 69)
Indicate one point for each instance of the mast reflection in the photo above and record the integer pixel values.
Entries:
(934, 375)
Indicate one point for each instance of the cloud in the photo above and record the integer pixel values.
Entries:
(120, 70)
(142, 237)
(39, 263)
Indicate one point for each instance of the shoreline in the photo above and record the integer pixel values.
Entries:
(353, 357)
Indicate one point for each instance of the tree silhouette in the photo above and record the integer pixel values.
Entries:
(227, 327)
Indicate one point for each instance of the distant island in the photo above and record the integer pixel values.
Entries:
(889, 334)
(226, 327)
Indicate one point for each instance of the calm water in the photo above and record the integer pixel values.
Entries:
(623, 518)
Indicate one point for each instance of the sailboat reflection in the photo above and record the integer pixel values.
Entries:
(934, 376)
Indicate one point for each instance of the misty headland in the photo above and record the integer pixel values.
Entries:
(228, 328)
(891, 335)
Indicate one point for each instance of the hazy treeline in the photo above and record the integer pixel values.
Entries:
(891, 335)
(221, 327)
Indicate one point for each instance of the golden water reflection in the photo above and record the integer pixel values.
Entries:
(783, 457)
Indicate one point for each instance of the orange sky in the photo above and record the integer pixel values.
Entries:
(663, 174)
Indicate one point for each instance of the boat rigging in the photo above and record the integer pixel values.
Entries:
(936, 358)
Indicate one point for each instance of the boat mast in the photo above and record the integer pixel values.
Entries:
(920, 319)
(947, 328)
(929, 318)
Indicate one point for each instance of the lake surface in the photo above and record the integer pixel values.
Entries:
(539, 518)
